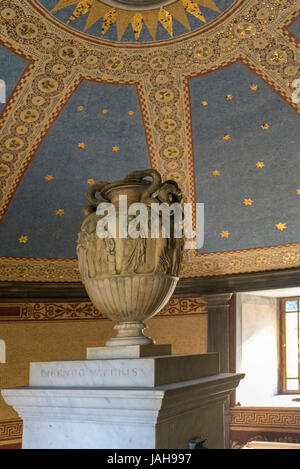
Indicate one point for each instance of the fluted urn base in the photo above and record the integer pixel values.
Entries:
(129, 333)
(129, 300)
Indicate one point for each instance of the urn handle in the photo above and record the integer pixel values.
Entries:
(97, 187)
(153, 187)
(169, 192)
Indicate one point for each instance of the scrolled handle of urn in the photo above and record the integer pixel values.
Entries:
(146, 197)
(97, 187)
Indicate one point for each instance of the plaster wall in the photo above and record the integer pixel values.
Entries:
(257, 348)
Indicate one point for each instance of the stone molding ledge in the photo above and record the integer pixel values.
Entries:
(138, 406)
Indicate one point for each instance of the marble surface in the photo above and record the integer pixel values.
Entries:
(166, 416)
(128, 351)
(126, 372)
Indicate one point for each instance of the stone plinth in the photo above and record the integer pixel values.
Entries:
(169, 401)
(127, 372)
(129, 351)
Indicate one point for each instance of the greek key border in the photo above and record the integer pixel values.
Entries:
(11, 431)
(265, 419)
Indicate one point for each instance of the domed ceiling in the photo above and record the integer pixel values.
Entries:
(202, 91)
(129, 21)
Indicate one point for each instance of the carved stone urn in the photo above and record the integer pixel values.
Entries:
(129, 279)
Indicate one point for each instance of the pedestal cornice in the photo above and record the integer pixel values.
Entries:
(120, 406)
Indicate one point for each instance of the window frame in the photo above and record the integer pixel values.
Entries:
(282, 371)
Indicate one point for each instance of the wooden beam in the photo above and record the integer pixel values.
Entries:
(238, 283)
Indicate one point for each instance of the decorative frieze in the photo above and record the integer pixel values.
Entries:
(265, 419)
(38, 311)
(10, 430)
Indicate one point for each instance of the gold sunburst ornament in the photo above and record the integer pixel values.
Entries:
(137, 13)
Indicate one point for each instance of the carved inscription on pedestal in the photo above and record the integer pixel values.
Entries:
(81, 372)
(92, 373)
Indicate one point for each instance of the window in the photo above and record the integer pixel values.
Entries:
(290, 333)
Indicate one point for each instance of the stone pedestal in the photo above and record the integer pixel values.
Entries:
(118, 403)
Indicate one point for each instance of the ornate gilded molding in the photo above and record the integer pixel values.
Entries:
(184, 307)
(196, 265)
(39, 311)
(16, 269)
(265, 419)
(263, 259)
(253, 32)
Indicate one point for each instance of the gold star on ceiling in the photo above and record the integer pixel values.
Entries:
(81, 145)
(216, 173)
(122, 17)
(226, 137)
(23, 239)
(130, 113)
(115, 148)
(248, 201)
(298, 191)
(260, 164)
(91, 181)
(48, 177)
(80, 108)
(105, 111)
(225, 234)
(204, 103)
(281, 226)
(229, 97)
(60, 212)
(265, 126)
(253, 87)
